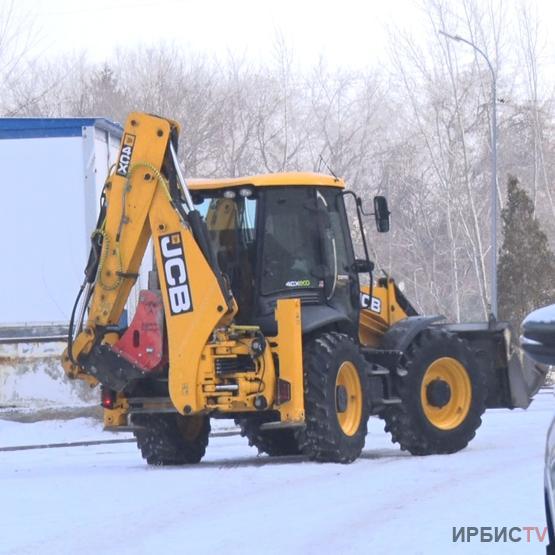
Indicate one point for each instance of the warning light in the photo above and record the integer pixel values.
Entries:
(107, 398)
(283, 391)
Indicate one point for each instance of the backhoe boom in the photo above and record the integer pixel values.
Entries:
(143, 201)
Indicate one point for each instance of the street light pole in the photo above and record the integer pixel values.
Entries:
(493, 300)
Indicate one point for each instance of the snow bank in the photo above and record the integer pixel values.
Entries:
(31, 376)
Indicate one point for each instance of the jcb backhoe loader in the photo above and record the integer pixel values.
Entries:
(255, 312)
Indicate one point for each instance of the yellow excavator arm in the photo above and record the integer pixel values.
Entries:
(144, 199)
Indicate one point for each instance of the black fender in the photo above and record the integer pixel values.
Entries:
(313, 318)
(318, 317)
(401, 334)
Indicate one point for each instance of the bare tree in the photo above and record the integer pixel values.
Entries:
(18, 37)
(418, 132)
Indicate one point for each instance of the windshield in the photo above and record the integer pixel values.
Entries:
(291, 242)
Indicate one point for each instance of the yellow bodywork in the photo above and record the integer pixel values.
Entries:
(379, 313)
(284, 179)
(290, 355)
(117, 416)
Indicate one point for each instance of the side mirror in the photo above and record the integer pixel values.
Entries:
(363, 266)
(381, 213)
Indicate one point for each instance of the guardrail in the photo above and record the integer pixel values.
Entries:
(33, 333)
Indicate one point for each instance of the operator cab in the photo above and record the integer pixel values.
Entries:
(284, 241)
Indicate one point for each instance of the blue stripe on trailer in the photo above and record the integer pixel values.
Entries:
(34, 128)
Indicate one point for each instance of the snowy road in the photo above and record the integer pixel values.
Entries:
(103, 498)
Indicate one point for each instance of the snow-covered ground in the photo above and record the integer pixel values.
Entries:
(105, 499)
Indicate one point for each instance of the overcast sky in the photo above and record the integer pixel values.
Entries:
(346, 31)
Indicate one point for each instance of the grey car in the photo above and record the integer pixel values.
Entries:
(538, 341)
(549, 479)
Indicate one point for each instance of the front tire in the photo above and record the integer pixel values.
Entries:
(443, 395)
(172, 439)
(336, 399)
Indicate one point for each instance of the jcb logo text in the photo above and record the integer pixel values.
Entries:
(175, 273)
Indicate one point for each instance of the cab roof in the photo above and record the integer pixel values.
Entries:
(268, 180)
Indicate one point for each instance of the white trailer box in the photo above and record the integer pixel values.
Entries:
(52, 175)
(53, 171)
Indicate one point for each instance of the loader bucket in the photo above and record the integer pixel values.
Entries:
(513, 377)
(538, 345)
(525, 378)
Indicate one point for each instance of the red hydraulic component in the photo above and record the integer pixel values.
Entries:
(143, 341)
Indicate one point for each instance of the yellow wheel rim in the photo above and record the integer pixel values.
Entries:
(446, 393)
(348, 401)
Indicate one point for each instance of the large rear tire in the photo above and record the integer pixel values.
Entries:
(336, 399)
(172, 439)
(276, 443)
(443, 395)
